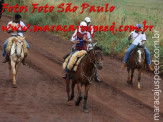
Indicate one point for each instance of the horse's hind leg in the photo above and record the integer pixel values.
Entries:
(128, 79)
(139, 78)
(72, 88)
(85, 98)
(79, 96)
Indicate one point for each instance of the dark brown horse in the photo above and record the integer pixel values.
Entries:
(136, 61)
(84, 75)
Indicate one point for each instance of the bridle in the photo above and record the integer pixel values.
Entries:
(20, 42)
(94, 66)
(91, 61)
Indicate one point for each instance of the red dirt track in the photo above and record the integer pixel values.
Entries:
(41, 93)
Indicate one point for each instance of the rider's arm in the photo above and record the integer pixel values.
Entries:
(87, 38)
(74, 38)
(9, 27)
(75, 41)
(22, 28)
(130, 36)
(92, 31)
(143, 38)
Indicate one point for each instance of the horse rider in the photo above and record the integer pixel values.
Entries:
(80, 38)
(1, 2)
(138, 37)
(13, 33)
(91, 31)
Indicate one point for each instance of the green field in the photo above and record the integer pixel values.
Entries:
(127, 12)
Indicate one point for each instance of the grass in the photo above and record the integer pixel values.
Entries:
(127, 12)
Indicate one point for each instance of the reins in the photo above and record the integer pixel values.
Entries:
(94, 65)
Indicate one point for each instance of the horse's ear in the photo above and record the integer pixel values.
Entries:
(94, 44)
(21, 38)
(24, 36)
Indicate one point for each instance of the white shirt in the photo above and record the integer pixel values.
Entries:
(74, 36)
(137, 39)
(21, 25)
(92, 30)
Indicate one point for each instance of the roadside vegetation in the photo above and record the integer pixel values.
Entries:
(127, 12)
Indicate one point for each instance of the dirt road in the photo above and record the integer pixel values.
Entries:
(41, 94)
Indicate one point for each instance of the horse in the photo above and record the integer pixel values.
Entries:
(136, 60)
(83, 76)
(16, 57)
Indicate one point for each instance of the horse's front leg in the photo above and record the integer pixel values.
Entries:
(139, 78)
(72, 88)
(128, 79)
(10, 72)
(79, 95)
(68, 91)
(86, 97)
(17, 67)
(132, 75)
(14, 73)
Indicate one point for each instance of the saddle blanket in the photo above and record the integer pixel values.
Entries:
(11, 40)
(72, 61)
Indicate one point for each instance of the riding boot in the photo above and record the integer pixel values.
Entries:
(64, 75)
(23, 61)
(123, 65)
(66, 56)
(96, 78)
(5, 59)
(150, 68)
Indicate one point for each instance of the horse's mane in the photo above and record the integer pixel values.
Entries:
(97, 48)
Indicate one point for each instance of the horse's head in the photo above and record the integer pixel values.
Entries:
(18, 47)
(140, 56)
(96, 56)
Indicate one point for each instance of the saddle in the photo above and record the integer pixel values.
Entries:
(72, 61)
(136, 48)
(133, 52)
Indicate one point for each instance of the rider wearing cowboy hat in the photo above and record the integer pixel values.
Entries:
(137, 37)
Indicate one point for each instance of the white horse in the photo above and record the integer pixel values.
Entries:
(16, 57)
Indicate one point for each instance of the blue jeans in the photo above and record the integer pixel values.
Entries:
(147, 55)
(5, 45)
(69, 60)
(131, 47)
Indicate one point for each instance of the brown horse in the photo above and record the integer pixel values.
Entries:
(136, 61)
(84, 75)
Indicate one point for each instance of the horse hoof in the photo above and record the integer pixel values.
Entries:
(14, 86)
(129, 82)
(69, 103)
(86, 111)
(76, 103)
(9, 80)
